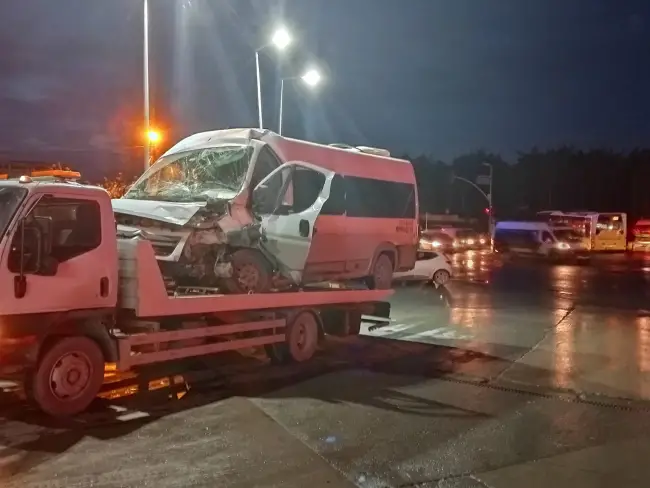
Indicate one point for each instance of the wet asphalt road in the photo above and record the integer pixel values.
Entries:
(523, 374)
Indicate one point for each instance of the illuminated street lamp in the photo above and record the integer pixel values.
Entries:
(311, 78)
(281, 39)
(153, 136)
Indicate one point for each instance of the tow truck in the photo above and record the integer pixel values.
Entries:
(75, 297)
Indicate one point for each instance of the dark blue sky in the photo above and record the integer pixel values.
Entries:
(436, 76)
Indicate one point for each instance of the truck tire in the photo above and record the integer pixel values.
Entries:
(301, 340)
(68, 376)
(251, 273)
(382, 273)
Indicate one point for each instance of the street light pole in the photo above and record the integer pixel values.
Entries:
(259, 89)
(310, 78)
(146, 84)
(281, 105)
(487, 197)
(490, 218)
(281, 39)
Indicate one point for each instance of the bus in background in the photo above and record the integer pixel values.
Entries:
(606, 231)
(609, 230)
(640, 236)
(581, 224)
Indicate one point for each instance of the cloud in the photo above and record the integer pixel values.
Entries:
(102, 142)
(29, 88)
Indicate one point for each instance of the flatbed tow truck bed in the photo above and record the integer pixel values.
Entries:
(144, 291)
(67, 359)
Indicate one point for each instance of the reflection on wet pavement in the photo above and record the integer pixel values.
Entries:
(578, 327)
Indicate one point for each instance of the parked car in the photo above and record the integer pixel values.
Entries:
(431, 240)
(433, 267)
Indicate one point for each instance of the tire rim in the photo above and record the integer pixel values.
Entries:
(70, 376)
(248, 277)
(441, 277)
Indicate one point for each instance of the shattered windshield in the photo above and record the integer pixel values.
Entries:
(10, 199)
(198, 175)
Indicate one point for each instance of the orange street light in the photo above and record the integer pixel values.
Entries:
(153, 136)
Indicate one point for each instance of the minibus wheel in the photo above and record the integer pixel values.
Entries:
(382, 273)
(251, 273)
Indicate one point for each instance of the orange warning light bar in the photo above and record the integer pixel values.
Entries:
(57, 173)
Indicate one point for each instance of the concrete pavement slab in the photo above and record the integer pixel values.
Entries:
(387, 430)
(614, 464)
(227, 444)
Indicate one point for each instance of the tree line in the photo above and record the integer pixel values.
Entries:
(563, 178)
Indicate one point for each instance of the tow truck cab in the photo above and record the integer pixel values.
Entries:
(58, 248)
(58, 265)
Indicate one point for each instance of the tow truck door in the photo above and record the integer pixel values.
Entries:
(288, 202)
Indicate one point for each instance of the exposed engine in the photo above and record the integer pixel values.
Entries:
(197, 254)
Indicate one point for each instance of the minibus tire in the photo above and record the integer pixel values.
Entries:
(382, 273)
(244, 258)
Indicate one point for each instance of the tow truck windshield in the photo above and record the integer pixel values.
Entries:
(198, 175)
(10, 198)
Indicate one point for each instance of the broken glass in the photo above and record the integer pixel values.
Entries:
(198, 175)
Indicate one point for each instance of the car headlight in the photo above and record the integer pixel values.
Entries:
(562, 245)
(481, 241)
(470, 241)
(436, 243)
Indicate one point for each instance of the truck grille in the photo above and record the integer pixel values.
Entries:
(164, 245)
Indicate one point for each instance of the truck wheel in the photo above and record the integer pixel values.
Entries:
(68, 377)
(251, 273)
(301, 340)
(382, 273)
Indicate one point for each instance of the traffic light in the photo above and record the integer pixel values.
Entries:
(486, 210)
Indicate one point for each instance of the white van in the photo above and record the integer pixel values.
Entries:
(248, 210)
(538, 239)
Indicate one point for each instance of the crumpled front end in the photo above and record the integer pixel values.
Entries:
(192, 245)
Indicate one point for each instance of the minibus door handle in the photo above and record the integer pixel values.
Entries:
(303, 228)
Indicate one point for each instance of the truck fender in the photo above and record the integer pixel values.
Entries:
(95, 327)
